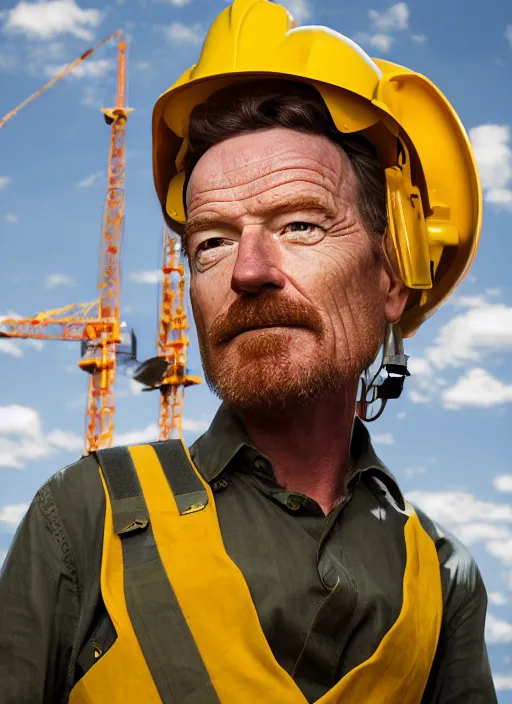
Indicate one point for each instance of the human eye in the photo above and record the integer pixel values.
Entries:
(210, 251)
(303, 232)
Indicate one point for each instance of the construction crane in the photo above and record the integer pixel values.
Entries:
(96, 325)
(168, 371)
(56, 78)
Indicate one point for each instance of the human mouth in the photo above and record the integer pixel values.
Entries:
(263, 328)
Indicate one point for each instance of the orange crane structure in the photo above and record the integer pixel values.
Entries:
(96, 325)
(168, 371)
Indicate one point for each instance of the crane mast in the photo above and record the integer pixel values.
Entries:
(173, 340)
(168, 371)
(96, 325)
(99, 358)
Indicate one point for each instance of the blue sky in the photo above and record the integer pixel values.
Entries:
(446, 439)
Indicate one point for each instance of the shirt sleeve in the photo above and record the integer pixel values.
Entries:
(39, 608)
(461, 672)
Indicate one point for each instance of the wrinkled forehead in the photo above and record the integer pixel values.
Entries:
(255, 162)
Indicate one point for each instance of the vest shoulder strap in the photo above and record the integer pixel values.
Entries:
(124, 488)
(179, 673)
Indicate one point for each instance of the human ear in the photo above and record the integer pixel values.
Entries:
(397, 294)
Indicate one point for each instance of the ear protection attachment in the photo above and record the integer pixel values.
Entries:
(406, 223)
(418, 241)
(174, 205)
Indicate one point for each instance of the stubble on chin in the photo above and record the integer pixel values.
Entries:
(265, 372)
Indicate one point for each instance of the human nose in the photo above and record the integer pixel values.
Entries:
(257, 263)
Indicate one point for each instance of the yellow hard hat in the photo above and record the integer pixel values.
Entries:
(433, 191)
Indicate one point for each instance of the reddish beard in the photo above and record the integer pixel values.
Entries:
(255, 373)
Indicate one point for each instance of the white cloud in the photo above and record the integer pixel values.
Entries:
(22, 438)
(470, 533)
(418, 397)
(20, 420)
(176, 3)
(419, 365)
(502, 197)
(471, 336)
(194, 426)
(150, 432)
(471, 301)
(414, 471)
(11, 218)
(497, 631)
(401, 415)
(179, 32)
(419, 38)
(482, 330)
(497, 598)
(91, 180)
(12, 515)
(380, 41)
(470, 519)
(477, 388)
(299, 9)
(4, 182)
(493, 153)
(47, 20)
(383, 439)
(11, 347)
(55, 280)
(457, 507)
(89, 69)
(65, 440)
(146, 277)
(135, 437)
(503, 482)
(508, 33)
(394, 18)
(501, 549)
(3, 555)
(135, 388)
(502, 682)
(91, 97)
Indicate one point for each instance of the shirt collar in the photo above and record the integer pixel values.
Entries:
(226, 437)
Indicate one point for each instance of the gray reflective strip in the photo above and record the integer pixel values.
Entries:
(186, 486)
(169, 649)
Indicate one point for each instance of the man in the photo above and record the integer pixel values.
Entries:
(324, 200)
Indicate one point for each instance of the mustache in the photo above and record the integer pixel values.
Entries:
(270, 311)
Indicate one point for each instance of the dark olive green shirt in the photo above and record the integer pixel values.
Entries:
(326, 588)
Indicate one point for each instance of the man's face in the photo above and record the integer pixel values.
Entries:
(289, 297)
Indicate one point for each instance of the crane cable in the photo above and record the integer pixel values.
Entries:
(57, 77)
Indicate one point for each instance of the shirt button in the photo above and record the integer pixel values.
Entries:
(260, 464)
(293, 503)
(330, 578)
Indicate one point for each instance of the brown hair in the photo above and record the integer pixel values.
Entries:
(259, 105)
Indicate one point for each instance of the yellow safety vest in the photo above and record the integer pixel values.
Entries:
(187, 628)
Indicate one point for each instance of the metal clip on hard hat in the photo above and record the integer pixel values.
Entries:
(381, 388)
